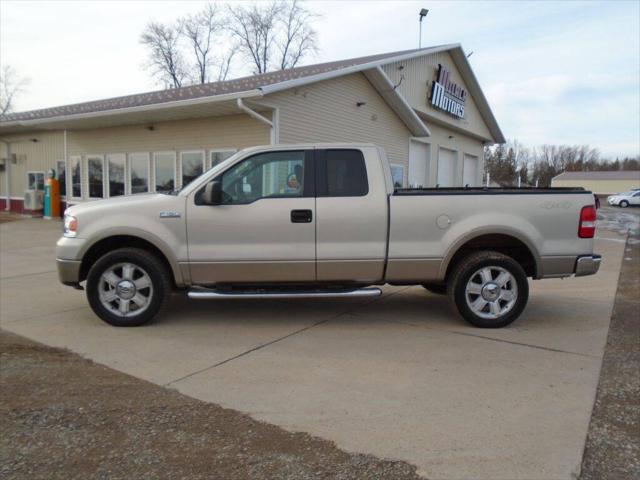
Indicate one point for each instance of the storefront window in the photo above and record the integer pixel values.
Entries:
(35, 180)
(76, 176)
(191, 164)
(115, 164)
(220, 156)
(95, 175)
(61, 176)
(165, 168)
(139, 172)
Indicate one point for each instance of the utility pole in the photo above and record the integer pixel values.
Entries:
(423, 13)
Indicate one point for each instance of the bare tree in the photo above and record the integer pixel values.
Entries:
(11, 85)
(165, 61)
(299, 38)
(201, 33)
(279, 29)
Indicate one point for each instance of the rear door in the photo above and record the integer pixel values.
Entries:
(351, 215)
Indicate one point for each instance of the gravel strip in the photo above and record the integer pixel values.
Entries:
(612, 450)
(66, 417)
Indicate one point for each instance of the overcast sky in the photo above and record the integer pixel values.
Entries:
(553, 72)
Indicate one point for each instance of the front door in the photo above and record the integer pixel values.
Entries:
(265, 229)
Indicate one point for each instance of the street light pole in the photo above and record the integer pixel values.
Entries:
(423, 13)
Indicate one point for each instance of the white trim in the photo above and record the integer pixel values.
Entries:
(252, 113)
(297, 82)
(179, 169)
(152, 187)
(385, 87)
(85, 160)
(129, 187)
(139, 108)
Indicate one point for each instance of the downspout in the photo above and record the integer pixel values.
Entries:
(7, 175)
(66, 169)
(252, 113)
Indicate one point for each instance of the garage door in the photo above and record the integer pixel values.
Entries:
(446, 167)
(419, 163)
(470, 171)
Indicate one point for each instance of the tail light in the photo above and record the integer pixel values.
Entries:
(587, 228)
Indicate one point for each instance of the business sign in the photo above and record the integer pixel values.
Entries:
(448, 95)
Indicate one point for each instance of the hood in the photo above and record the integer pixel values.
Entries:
(121, 202)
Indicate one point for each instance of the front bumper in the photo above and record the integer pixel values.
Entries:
(587, 265)
(69, 271)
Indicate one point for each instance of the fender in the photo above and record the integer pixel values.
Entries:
(144, 235)
(487, 230)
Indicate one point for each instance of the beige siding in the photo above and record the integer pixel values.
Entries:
(233, 131)
(600, 187)
(419, 73)
(327, 112)
(30, 156)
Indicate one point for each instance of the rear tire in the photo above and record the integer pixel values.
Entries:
(128, 287)
(624, 204)
(437, 288)
(489, 289)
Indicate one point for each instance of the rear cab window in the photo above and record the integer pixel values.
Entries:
(341, 173)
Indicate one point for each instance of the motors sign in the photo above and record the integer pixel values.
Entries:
(448, 95)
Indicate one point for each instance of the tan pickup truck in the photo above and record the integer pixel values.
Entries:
(321, 221)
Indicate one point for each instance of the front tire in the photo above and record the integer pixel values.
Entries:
(489, 289)
(128, 287)
(624, 204)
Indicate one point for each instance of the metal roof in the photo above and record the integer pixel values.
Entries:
(182, 102)
(597, 175)
(201, 90)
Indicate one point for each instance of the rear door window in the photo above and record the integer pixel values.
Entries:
(342, 173)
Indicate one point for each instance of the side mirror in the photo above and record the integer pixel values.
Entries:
(213, 193)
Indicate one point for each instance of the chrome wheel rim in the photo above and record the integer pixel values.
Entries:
(125, 289)
(491, 292)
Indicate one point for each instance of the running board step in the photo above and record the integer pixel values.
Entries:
(205, 293)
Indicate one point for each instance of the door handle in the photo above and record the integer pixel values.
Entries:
(301, 216)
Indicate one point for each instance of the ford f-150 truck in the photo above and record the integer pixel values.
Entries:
(320, 221)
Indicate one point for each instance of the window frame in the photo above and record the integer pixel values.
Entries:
(107, 177)
(203, 154)
(154, 169)
(36, 172)
(129, 185)
(322, 187)
(85, 161)
(209, 161)
(72, 158)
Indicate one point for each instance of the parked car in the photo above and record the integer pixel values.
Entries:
(625, 199)
(321, 221)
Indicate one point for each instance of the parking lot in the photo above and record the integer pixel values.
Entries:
(399, 377)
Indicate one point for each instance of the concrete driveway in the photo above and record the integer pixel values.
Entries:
(399, 377)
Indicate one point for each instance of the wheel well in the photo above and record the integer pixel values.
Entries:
(108, 244)
(504, 244)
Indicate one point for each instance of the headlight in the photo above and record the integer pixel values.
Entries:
(70, 228)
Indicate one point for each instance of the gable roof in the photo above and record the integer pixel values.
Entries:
(263, 84)
(600, 175)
